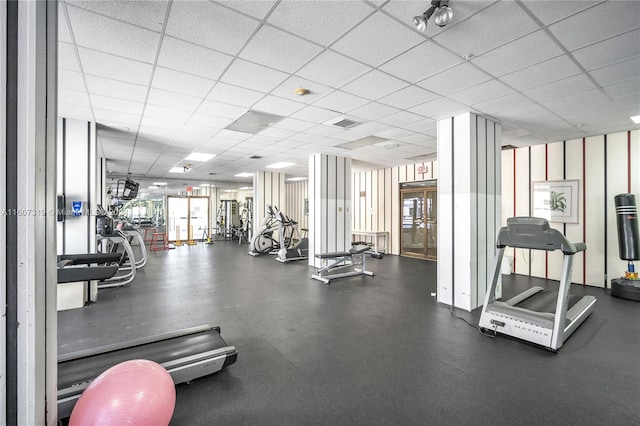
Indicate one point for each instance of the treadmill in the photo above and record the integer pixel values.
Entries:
(186, 354)
(536, 315)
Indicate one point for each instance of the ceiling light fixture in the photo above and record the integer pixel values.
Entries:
(245, 174)
(159, 183)
(280, 165)
(636, 119)
(199, 156)
(443, 15)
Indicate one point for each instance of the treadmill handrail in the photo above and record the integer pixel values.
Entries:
(535, 233)
(136, 342)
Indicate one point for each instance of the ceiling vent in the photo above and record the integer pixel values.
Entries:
(255, 157)
(508, 147)
(254, 122)
(359, 143)
(345, 123)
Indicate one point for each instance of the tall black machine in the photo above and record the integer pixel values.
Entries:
(627, 287)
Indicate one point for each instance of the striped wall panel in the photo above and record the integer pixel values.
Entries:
(296, 194)
(268, 188)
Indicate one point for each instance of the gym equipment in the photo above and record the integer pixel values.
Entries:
(529, 316)
(228, 219)
(74, 267)
(127, 270)
(263, 241)
(185, 354)
(246, 221)
(354, 259)
(627, 287)
(300, 250)
(205, 236)
(138, 392)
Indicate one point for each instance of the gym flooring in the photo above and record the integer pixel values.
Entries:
(363, 350)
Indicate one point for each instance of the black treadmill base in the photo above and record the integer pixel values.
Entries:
(626, 289)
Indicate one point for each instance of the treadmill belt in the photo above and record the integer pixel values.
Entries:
(545, 301)
(88, 368)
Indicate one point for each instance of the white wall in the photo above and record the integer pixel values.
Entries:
(297, 193)
(605, 165)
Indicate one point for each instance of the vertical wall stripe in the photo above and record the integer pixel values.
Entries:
(629, 161)
(64, 186)
(546, 177)
(564, 176)
(584, 208)
(606, 198)
(515, 193)
(11, 231)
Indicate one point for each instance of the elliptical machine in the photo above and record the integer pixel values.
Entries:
(288, 229)
(263, 241)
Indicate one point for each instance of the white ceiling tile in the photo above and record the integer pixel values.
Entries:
(63, 29)
(116, 89)
(210, 25)
(581, 29)
(340, 101)
(257, 9)
(372, 111)
(194, 132)
(71, 80)
(560, 9)
(161, 123)
(294, 124)
(252, 76)
(577, 101)
(277, 49)
(439, 108)
(108, 35)
(454, 79)
(277, 133)
(148, 14)
(401, 118)
(75, 111)
(316, 90)
(315, 114)
(616, 49)
(115, 104)
(234, 95)
(624, 88)
(566, 86)
(175, 81)
(322, 130)
(377, 39)
(419, 138)
(394, 133)
(319, 21)
(332, 69)
(374, 85)
(108, 117)
(209, 120)
(73, 97)
(232, 134)
(482, 92)
(193, 59)
(422, 125)
(67, 57)
(277, 105)
(509, 58)
(629, 101)
(165, 113)
(542, 73)
(219, 109)
(616, 73)
(408, 97)
(114, 67)
(420, 62)
(477, 35)
(173, 100)
(504, 103)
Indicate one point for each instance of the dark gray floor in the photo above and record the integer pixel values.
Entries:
(364, 350)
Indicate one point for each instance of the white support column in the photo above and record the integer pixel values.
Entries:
(28, 360)
(268, 188)
(469, 161)
(329, 189)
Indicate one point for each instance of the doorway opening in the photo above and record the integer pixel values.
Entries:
(419, 227)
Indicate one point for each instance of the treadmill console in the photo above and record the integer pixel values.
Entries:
(534, 233)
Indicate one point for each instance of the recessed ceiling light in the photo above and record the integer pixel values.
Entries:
(178, 170)
(636, 119)
(244, 174)
(160, 183)
(294, 179)
(199, 156)
(246, 187)
(153, 187)
(204, 184)
(280, 165)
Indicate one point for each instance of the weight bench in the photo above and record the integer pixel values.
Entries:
(354, 258)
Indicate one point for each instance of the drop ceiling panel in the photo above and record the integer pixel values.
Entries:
(74, 111)
(67, 57)
(115, 104)
(610, 51)
(145, 14)
(165, 113)
(513, 24)
(418, 64)
(319, 130)
(116, 89)
(400, 118)
(108, 35)
(173, 100)
(277, 105)
(175, 81)
(507, 103)
(564, 87)
(332, 69)
(372, 111)
(571, 31)
(454, 79)
(315, 114)
(279, 50)
(376, 40)
(374, 85)
(193, 59)
(439, 108)
(63, 29)
(171, 126)
(408, 97)
(251, 76)
(294, 125)
(340, 101)
(114, 67)
(316, 90)
(624, 88)
(542, 73)
(511, 57)
(219, 109)
(209, 120)
(277, 133)
(482, 92)
(317, 20)
(559, 11)
(616, 73)
(234, 95)
(109, 117)
(192, 21)
(73, 97)
(421, 125)
(257, 9)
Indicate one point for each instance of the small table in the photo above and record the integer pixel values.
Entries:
(376, 236)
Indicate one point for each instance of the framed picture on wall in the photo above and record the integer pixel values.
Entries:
(556, 200)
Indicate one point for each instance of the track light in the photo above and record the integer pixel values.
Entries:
(442, 17)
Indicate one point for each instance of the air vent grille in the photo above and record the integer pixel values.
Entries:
(255, 157)
(345, 123)
(508, 147)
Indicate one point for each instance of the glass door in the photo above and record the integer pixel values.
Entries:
(419, 220)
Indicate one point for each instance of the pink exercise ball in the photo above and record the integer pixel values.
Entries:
(137, 392)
